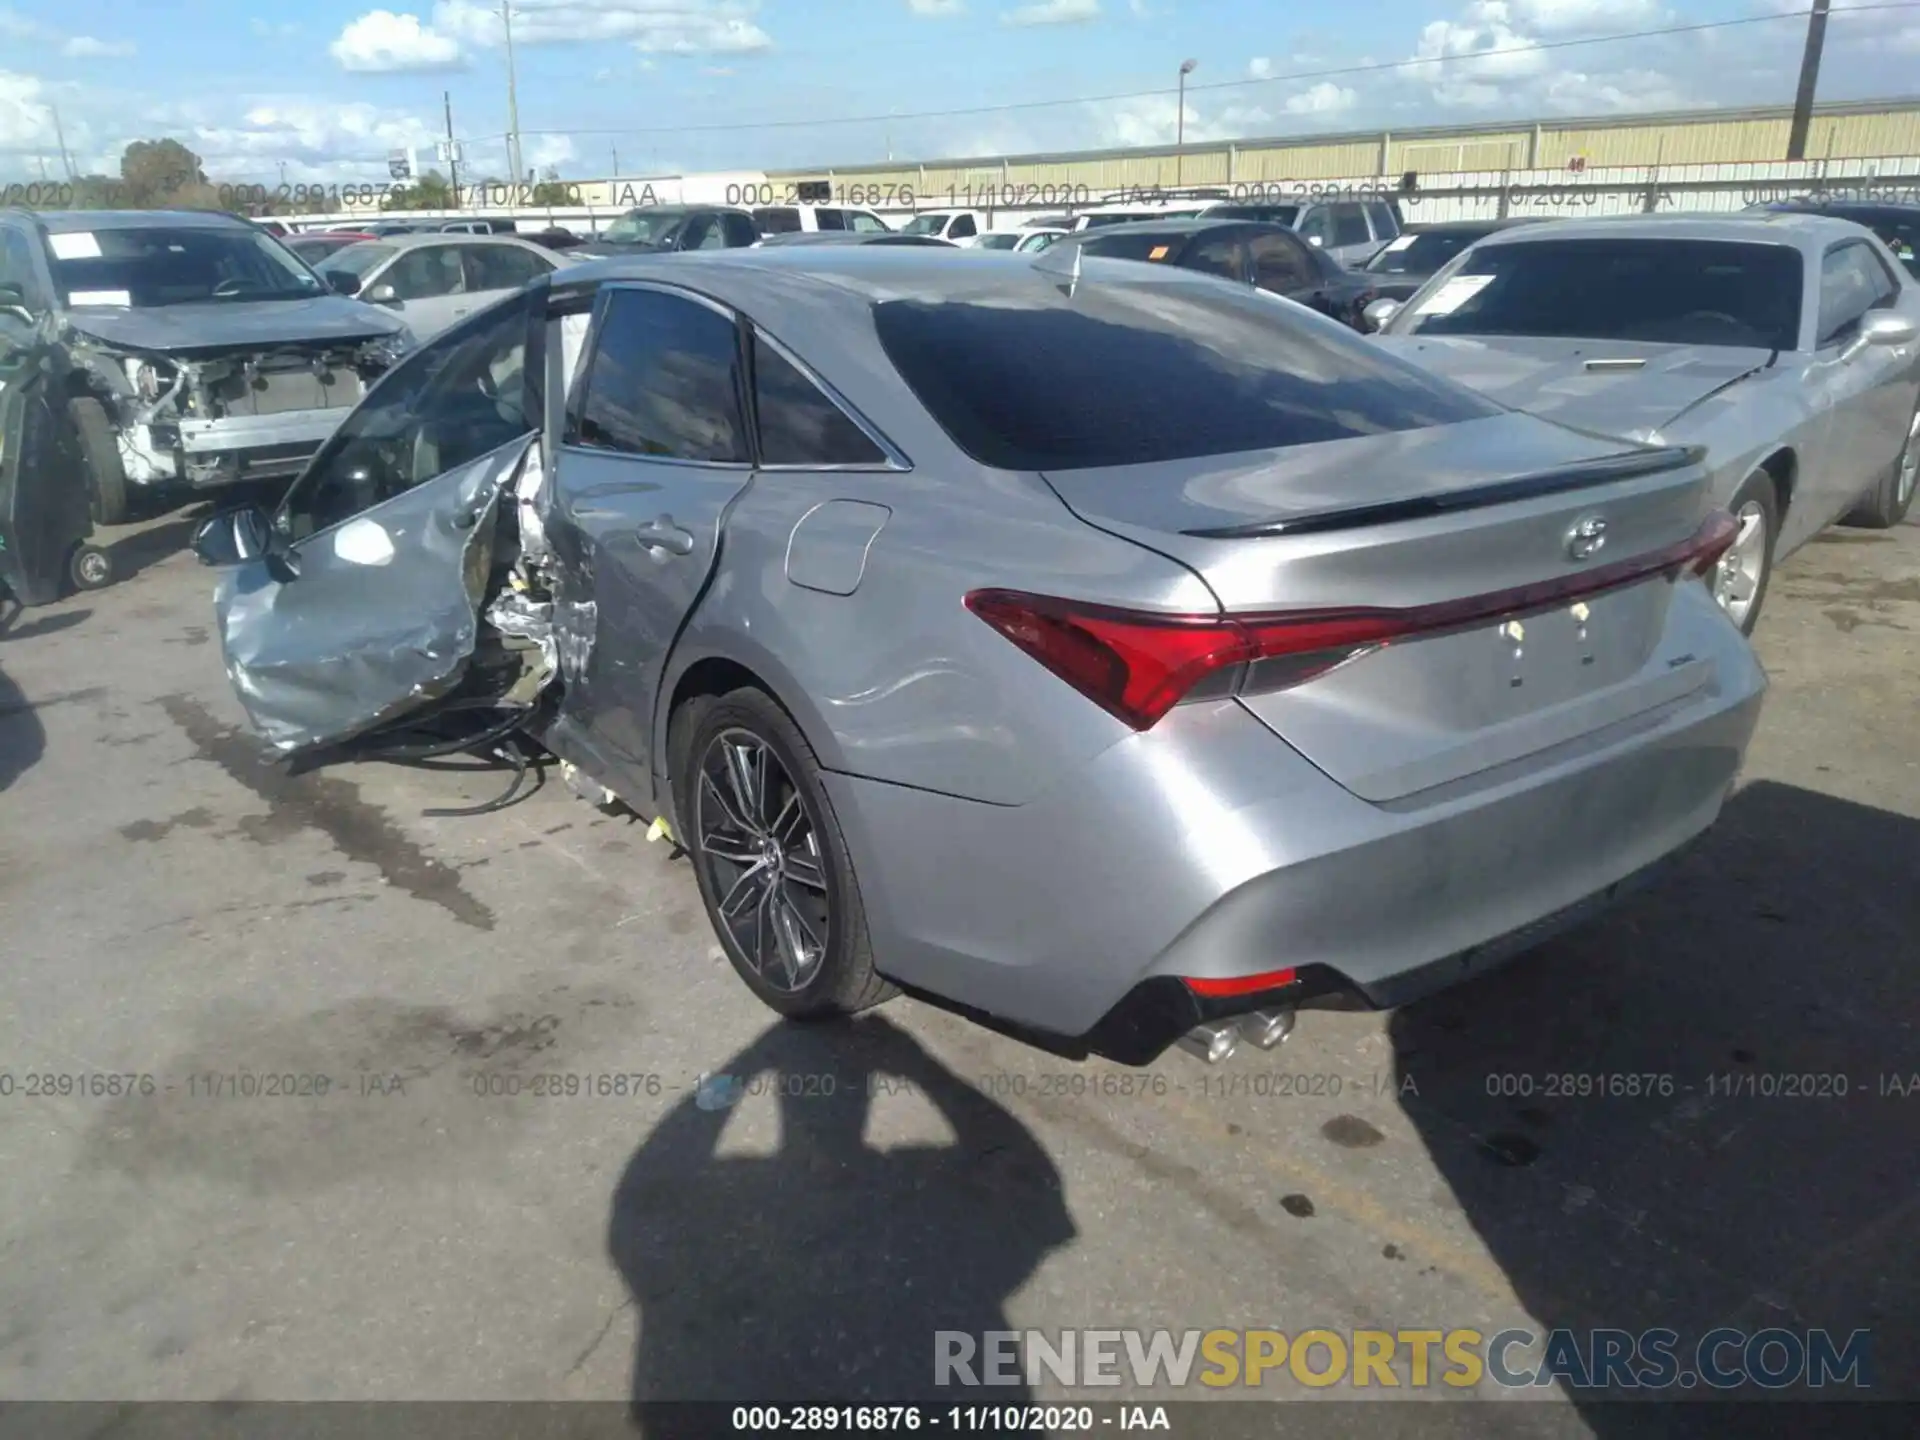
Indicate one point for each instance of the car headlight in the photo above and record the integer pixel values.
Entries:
(388, 351)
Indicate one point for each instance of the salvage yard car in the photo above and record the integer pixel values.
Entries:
(432, 280)
(1108, 653)
(1269, 257)
(182, 350)
(1782, 342)
(1407, 263)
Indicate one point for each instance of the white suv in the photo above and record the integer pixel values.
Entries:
(786, 219)
(959, 226)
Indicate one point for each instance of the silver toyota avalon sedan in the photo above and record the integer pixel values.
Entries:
(1115, 655)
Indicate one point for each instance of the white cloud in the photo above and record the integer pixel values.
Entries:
(381, 41)
(1149, 120)
(678, 27)
(936, 7)
(26, 122)
(318, 140)
(1326, 98)
(1596, 17)
(545, 152)
(1052, 12)
(85, 47)
(1260, 67)
(1479, 56)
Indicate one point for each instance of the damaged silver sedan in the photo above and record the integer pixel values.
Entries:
(1114, 655)
(173, 352)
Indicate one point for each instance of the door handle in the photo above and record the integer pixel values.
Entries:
(663, 534)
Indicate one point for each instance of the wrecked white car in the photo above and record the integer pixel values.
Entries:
(185, 350)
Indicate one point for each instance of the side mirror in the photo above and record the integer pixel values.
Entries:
(341, 282)
(14, 301)
(382, 294)
(233, 537)
(1885, 328)
(1380, 312)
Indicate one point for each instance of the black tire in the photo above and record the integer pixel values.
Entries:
(1887, 504)
(842, 981)
(106, 475)
(1760, 492)
(90, 568)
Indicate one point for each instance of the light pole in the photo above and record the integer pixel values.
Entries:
(513, 104)
(1809, 79)
(1180, 123)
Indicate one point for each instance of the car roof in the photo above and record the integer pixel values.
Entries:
(1190, 226)
(756, 278)
(1455, 227)
(413, 239)
(1782, 227)
(66, 222)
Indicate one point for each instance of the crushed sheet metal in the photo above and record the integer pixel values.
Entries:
(345, 648)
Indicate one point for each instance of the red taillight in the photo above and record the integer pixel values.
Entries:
(1238, 985)
(1137, 666)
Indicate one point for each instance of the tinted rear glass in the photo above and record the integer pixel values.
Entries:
(1126, 374)
(1122, 244)
(1681, 292)
(1422, 254)
(777, 220)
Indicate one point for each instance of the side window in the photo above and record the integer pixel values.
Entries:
(1852, 282)
(663, 379)
(501, 267)
(865, 221)
(16, 268)
(1385, 226)
(1281, 264)
(426, 272)
(962, 228)
(777, 219)
(799, 423)
(830, 219)
(702, 234)
(737, 230)
(451, 401)
(1350, 225)
(1316, 225)
(1218, 256)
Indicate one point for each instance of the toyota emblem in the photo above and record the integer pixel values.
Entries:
(1587, 537)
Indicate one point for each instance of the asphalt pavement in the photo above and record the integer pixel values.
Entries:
(410, 1107)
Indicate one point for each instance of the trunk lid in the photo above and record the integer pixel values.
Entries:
(1424, 518)
(1615, 387)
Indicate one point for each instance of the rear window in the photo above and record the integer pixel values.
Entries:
(1679, 292)
(1152, 371)
(1123, 245)
(777, 220)
(1422, 253)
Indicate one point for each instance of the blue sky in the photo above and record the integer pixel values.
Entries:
(321, 91)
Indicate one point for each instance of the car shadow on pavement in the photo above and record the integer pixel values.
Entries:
(23, 739)
(137, 550)
(822, 1270)
(1763, 1000)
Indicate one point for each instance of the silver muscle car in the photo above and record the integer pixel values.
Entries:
(1782, 343)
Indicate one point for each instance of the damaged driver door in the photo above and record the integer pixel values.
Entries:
(359, 602)
(44, 515)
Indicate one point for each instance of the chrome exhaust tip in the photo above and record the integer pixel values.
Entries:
(1212, 1040)
(1267, 1028)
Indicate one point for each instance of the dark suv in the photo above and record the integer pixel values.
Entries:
(1898, 226)
(1352, 231)
(653, 228)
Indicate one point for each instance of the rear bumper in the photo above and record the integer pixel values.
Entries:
(1207, 848)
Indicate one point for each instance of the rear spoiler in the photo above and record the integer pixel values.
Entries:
(1606, 470)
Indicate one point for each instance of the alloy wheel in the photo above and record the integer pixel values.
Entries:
(760, 846)
(1737, 580)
